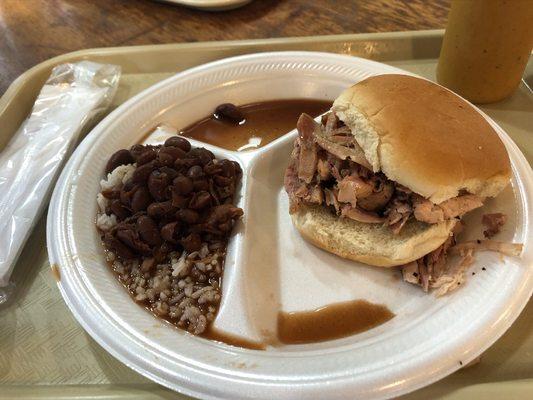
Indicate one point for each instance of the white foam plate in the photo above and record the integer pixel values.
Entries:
(269, 267)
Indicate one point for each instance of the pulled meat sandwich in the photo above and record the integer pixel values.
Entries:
(387, 175)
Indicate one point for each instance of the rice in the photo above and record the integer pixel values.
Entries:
(105, 222)
(181, 298)
(118, 176)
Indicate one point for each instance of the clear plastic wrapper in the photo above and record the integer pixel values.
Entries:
(73, 95)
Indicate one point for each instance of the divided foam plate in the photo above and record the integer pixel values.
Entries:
(270, 268)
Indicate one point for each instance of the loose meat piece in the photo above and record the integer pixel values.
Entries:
(323, 169)
(425, 211)
(307, 161)
(330, 198)
(398, 225)
(432, 266)
(331, 123)
(341, 138)
(493, 222)
(343, 130)
(454, 276)
(351, 188)
(458, 206)
(336, 165)
(293, 185)
(434, 272)
(435, 262)
(509, 249)
(337, 139)
(354, 153)
(360, 215)
(398, 210)
(382, 191)
(411, 273)
(316, 196)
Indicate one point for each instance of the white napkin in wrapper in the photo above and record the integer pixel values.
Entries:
(29, 165)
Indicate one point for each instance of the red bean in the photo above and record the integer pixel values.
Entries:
(229, 112)
(176, 141)
(140, 199)
(200, 200)
(121, 157)
(183, 185)
(148, 230)
(192, 242)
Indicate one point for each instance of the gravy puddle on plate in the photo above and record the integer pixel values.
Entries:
(330, 322)
(219, 336)
(264, 122)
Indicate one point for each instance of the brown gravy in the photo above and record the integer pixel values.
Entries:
(55, 272)
(232, 340)
(264, 122)
(330, 322)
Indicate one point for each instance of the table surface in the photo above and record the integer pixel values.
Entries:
(32, 31)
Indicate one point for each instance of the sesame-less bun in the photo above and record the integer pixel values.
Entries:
(372, 244)
(424, 137)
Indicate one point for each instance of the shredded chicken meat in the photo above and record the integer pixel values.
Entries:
(328, 168)
(433, 271)
(494, 223)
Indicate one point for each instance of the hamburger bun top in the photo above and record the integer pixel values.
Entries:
(424, 137)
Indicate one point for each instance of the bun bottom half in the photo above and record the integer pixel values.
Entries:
(372, 244)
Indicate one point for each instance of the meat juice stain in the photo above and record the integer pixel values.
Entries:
(219, 336)
(264, 122)
(55, 272)
(333, 321)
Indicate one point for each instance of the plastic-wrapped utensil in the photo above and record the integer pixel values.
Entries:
(73, 95)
